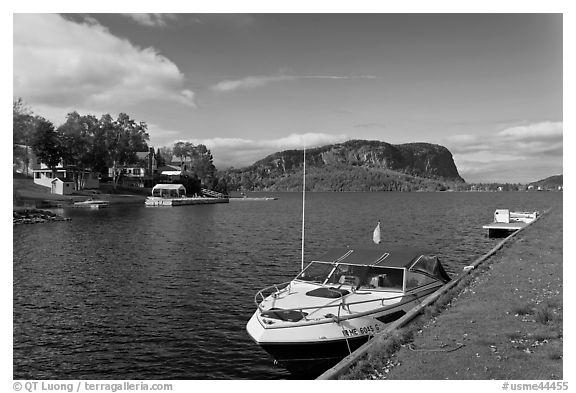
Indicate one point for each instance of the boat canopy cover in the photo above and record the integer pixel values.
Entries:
(169, 187)
(171, 173)
(390, 257)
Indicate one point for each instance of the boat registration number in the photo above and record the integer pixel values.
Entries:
(368, 329)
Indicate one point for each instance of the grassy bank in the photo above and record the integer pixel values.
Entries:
(503, 322)
(26, 193)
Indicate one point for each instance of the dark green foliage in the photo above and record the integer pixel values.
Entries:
(192, 185)
(197, 162)
(202, 162)
(82, 142)
(47, 144)
(23, 125)
(160, 160)
(22, 122)
(122, 138)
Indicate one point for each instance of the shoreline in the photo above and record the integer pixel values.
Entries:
(27, 195)
(504, 322)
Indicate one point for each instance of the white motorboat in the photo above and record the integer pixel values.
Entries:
(92, 204)
(339, 301)
(506, 222)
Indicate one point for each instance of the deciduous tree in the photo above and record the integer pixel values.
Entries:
(23, 124)
(47, 144)
(77, 135)
(183, 150)
(202, 164)
(123, 138)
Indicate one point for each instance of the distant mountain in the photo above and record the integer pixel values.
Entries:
(356, 165)
(551, 182)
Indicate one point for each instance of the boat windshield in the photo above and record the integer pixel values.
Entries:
(357, 276)
(368, 277)
(316, 272)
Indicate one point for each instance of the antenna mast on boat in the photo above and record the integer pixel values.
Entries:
(303, 204)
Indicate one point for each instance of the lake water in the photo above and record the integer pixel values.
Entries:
(132, 292)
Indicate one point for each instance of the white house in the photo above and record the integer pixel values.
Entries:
(138, 174)
(44, 177)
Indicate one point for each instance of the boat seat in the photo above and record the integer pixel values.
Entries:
(331, 293)
(348, 280)
(284, 315)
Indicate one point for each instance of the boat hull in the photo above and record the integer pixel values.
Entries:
(312, 348)
(312, 359)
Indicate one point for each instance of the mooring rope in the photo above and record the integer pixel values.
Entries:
(458, 346)
(348, 344)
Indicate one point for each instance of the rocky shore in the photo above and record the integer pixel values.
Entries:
(35, 216)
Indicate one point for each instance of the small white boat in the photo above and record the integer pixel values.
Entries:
(339, 301)
(506, 216)
(92, 204)
(506, 222)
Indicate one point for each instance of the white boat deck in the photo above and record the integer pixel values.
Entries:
(92, 204)
(506, 222)
(510, 226)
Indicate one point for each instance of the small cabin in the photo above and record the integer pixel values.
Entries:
(61, 187)
(502, 215)
(169, 191)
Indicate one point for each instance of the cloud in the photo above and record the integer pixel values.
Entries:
(252, 82)
(152, 20)
(249, 82)
(538, 131)
(526, 141)
(240, 152)
(59, 63)
(520, 153)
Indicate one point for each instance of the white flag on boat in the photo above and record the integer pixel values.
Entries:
(376, 235)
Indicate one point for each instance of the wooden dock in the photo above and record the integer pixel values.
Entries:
(503, 229)
(507, 222)
(157, 201)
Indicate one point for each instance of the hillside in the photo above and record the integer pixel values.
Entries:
(356, 165)
(551, 182)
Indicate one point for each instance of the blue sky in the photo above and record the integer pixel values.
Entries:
(486, 86)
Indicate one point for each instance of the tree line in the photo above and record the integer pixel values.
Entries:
(334, 178)
(105, 145)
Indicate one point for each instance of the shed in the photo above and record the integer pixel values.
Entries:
(169, 190)
(60, 187)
